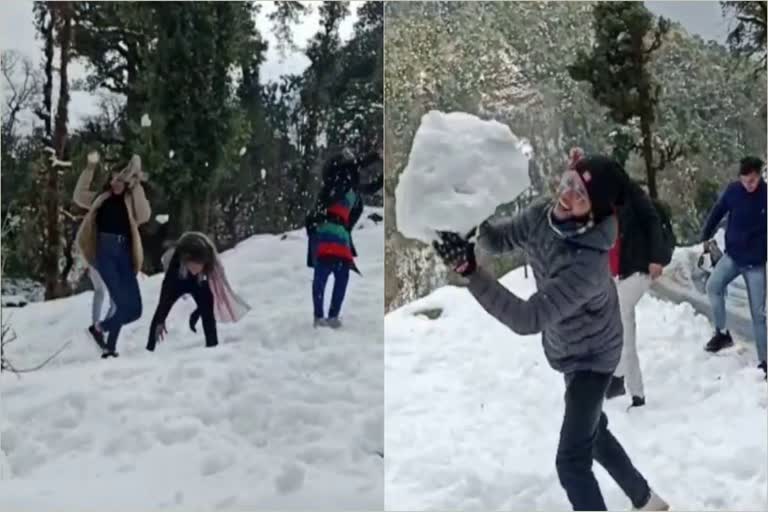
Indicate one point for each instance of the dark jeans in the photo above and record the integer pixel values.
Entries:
(323, 270)
(115, 266)
(584, 436)
(173, 289)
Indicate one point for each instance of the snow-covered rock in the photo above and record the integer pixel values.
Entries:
(277, 417)
(460, 169)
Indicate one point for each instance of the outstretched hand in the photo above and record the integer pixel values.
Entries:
(457, 252)
(161, 331)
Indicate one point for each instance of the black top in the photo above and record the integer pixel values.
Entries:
(639, 232)
(112, 216)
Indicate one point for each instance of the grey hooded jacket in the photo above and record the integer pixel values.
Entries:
(576, 307)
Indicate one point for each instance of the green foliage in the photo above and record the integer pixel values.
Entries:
(508, 61)
(616, 67)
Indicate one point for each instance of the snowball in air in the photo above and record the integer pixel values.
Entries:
(146, 122)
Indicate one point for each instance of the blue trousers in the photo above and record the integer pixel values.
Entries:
(323, 270)
(115, 266)
(726, 271)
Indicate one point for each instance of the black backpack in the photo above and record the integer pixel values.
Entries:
(668, 239)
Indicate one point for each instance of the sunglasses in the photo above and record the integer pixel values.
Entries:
(571, 182)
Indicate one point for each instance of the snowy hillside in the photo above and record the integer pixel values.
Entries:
(473, 413)
(278, 416)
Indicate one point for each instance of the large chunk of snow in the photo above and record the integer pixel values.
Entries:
(473, 413)
(460, 169)
(279, 416)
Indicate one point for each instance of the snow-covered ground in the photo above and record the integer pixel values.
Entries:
(473, 413)
(278, 416)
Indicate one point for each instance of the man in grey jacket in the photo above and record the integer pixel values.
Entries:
(577, 311)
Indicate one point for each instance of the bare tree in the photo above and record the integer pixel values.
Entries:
(21, 84)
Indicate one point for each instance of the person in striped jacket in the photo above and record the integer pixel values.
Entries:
(329, 229)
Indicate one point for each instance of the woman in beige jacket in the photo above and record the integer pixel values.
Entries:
(109, 240)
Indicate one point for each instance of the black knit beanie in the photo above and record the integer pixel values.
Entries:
(606, 182)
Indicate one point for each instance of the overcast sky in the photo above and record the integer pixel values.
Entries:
(703, 18)
(17, 32)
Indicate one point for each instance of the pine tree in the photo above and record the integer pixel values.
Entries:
(618, 70)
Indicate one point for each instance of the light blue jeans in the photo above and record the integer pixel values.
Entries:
(99, 294)
(726, 271)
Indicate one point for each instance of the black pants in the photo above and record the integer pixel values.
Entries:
(173, 289)
(584, 437)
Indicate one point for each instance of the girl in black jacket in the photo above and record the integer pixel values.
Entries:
(194, 268)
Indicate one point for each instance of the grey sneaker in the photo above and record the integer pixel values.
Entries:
(320, 322)
(334, 323)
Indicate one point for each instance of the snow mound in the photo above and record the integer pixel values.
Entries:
(277, 417)
(460, 169)
(473, 412)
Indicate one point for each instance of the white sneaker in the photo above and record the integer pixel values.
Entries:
(655, 503)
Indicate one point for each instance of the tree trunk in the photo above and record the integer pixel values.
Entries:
(53, 281)
(645, 128)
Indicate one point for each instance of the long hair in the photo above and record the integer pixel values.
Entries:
(198, 248)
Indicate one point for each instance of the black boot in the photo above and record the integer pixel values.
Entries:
(719, 341)
(763, 366)
(97, 336)
(638, 401)
(615, 388)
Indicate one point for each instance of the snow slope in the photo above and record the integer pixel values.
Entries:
(278, 416)
(460, 169)
(473, 413)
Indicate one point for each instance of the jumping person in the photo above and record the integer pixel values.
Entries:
(194, 268)
(744, 201)
(576, 308)
(109, 240)
(329, 228)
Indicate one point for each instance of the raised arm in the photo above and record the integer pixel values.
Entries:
(142, 211)
(83, 196)
(497, 236)
(558, 298)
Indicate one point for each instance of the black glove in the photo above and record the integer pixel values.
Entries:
(193, 318)
(457, 253)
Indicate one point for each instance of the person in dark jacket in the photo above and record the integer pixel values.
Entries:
(744, 202)
(331, 250)
(576, 309)
(636, 259)
(193, 268)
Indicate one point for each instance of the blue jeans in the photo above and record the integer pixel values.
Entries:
(323, 270)
(726, 271)
(115, 266)
(584, 437)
